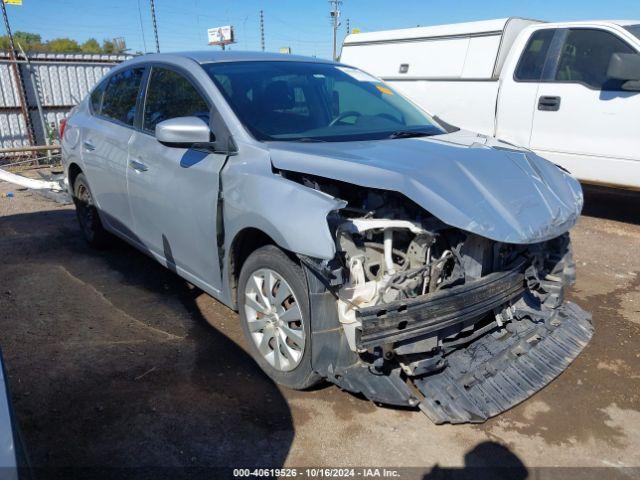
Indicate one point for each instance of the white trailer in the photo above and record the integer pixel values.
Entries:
(569, 91)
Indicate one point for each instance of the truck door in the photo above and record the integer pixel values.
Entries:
(517, 93)
(584, 120)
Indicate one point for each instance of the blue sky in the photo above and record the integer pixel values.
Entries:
(302, 25)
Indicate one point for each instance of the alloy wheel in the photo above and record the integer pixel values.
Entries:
(274, 319)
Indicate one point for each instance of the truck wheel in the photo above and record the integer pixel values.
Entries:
(88, 218)
(273, 300)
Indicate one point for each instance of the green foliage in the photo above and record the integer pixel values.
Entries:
(108, 46)
(63, 45)
(91, 46)
(32, 42)
(29, 41)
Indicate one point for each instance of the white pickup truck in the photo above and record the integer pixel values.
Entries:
(568, 91)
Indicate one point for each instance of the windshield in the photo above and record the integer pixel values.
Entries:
(300, 101)
(635, 29)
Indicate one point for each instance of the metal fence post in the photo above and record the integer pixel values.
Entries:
(36, 91)
(18, 77)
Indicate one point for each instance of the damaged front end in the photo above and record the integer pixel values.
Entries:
(414, 312)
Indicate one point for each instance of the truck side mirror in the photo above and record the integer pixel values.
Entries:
(625, 67)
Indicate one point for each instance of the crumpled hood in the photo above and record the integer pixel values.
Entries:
(466, 180)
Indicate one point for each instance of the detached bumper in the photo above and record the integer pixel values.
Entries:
(496, 373)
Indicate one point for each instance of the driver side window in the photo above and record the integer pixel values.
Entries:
(170, 95)
(585, 58)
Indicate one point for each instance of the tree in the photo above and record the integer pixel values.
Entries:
(31, 42)
(91, 46)
(63, 45)
(113, 46)
(4, 42)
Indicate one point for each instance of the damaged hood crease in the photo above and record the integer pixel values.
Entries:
(471, 182)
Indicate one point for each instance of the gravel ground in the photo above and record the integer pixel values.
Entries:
(114, 361)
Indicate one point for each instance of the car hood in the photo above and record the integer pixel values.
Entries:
(468, 181)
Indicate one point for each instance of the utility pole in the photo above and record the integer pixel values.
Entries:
(335, 22)
(155, 25)
(262, 29)
(16, 71)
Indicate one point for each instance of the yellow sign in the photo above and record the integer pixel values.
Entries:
(13, 2)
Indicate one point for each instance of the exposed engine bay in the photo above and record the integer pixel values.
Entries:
(440, 313)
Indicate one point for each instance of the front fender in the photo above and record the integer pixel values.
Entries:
(293, 215)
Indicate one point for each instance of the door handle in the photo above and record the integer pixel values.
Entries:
(138, 166)
(549, 104)
(88, 145)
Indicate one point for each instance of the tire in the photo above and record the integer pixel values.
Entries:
(281, 330)
(88, 216)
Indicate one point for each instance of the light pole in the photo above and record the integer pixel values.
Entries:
(335, 21)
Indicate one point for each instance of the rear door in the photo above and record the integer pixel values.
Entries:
(583, 120)
(105, 144)
(173, 192)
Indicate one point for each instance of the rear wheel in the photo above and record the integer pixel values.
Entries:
(88, 218)
(274, 309)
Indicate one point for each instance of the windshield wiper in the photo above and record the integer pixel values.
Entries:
(410, 134)
(309, 140)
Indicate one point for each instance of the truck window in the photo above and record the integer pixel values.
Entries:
(635, 29)
(532, 61)
(585, 58)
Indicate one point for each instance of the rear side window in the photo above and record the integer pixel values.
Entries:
(121, 93)
(96, 98)
(585, 58)
(531, 64)
(170, 95)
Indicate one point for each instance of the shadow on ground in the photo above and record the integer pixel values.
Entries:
(611, 204)
(112, 364)
(486, 461)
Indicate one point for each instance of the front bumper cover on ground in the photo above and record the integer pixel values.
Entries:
(496, 373)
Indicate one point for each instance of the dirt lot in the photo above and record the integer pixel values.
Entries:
(115, 361)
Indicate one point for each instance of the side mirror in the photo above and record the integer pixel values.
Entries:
(625, 67)
(184, 132)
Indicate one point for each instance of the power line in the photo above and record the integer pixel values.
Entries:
(155, 25)
(144, 43)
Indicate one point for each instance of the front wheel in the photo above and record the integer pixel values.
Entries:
(274, 310)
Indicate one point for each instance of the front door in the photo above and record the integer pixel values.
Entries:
(583, 120)
(173, 192)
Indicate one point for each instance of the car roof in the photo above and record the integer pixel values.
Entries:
(210, 56)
